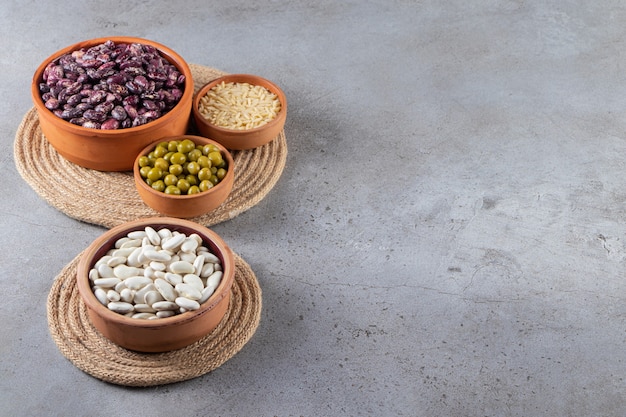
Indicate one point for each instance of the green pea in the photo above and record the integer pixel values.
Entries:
(172, 190)
(170, 179)
(205, 185)
(186, 145)
(144, 161)
(162, 164)
(204, 174)
(154, 174)
(193, 168)
(172, 146)
(204, 161)
(159, 151)
(143, 171)
(194, 154)
(168, 155)
(158, 185)
(176, 169)
(192, 179)
(216, 158)
(178, 158)
(183, 185)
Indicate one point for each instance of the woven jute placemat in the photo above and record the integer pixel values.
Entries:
(80, 342)
(110, 198)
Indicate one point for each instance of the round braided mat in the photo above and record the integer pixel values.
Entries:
(110, 198)
(94, 354)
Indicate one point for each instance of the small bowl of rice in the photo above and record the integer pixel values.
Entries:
(240, 111)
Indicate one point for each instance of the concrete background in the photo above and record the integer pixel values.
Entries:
(447, 238)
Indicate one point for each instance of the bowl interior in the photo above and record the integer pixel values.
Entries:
(167, 53)
(241, 78)
(197, 140)
(107, 241)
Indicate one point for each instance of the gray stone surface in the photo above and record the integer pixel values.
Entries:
(447, 238)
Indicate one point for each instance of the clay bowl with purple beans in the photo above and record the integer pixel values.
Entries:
(101, 101)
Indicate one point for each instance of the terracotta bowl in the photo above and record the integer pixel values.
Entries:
(111, 150)
(186, 206)
(163, 334)
(241, 139)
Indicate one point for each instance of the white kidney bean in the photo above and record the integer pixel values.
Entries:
(173, 279)
(136, 234)
(93, 275)
(121, 307)
(144, 316)
(137, 283)
(153, 236)
(207, 292)
(211, 257)
(148, 272)
(158, 266)
(144, 308)
(152, 274)
(198, 263)
(123, 271)
(140, 296)
(214, 279)
(207, 270)
(173, 242)
(113, 295)
(101, 295)
(189, 245)
(153, 255)
(181, 267)
(105, 271)
(106, 282)
(127, 295)
(165, 288)
(115, 261)
(152, 297)
(133, 258)
(122, 252)
(187, 304)
(164, 305)
(194, 280)
(188, 291)
(131, 243)
(164, 233)
(121, 241)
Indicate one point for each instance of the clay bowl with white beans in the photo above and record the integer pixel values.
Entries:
(194, 175)
(240, 111)
(156, 284)
(100, 101)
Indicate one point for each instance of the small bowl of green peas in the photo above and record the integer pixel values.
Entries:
(184, 176)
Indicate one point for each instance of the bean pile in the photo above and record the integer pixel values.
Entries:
(153, 274)
(180, 167)
(111, 86)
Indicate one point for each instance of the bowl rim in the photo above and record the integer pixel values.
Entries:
(251, 79)
(185, 197)
(105, 241)
(172, 56)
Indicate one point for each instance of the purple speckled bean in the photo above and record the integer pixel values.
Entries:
(111, 86)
